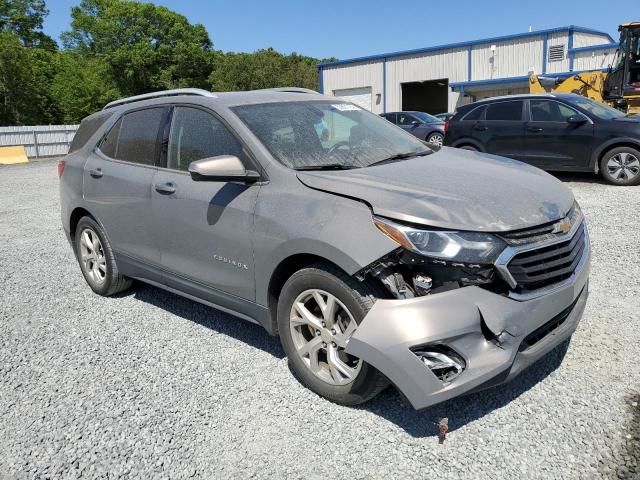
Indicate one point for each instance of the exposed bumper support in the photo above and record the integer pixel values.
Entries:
(454, 318)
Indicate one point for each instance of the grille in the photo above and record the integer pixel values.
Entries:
(539, 233)
(544, 266)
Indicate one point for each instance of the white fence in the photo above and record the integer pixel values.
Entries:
(39, 141)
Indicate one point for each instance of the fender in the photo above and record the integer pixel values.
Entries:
(597, 153)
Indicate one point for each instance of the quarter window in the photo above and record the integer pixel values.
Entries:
(109, 144)
(196, 134)
(505, 111)
(475, 114)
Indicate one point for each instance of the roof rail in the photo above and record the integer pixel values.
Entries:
(164, 93)
(289, 90)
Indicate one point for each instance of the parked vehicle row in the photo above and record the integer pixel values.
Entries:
(559, 132)
(375, 258)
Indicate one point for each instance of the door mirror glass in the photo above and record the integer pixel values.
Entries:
(576, 119)
(415, 123)
(223, 168)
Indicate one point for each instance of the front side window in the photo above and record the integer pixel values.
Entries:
(548, 111)
(309, 134)
(134, 138)
(196, 134)
(405, 119)
(505, 111)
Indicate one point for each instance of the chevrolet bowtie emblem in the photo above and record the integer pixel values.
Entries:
(563, 226)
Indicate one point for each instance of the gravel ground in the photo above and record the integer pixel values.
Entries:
(150, 385)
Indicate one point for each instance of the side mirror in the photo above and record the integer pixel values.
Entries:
(576, 119)
(223, 168)
(415, 123)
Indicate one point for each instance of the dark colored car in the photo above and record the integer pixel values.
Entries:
(556, 132)
(422, 125)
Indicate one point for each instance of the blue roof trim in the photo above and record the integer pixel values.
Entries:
(524, 78)
(448, 46)
(593, 48)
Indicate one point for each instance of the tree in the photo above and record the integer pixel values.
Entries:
(82, 86)
(148, 47)
(25, 76)
(25, 19)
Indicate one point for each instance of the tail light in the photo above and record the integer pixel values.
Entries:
(61, 165)
(446, 126)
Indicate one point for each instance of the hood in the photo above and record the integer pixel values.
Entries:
(453, 189)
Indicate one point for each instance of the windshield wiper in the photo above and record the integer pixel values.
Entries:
(326, 166)
(401, 156)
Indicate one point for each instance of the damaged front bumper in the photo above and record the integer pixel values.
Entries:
(497, 336)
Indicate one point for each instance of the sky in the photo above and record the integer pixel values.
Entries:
(353, 28)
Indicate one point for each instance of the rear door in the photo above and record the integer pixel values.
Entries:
(205, 228)
(551, 142)
(501, 131)
(117, 182)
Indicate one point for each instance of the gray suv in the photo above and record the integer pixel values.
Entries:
(375, 258)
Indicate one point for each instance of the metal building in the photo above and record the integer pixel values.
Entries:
(437, 79)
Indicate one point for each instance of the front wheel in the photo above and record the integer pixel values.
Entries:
(436, 139)
(319, 309)
(621, 166)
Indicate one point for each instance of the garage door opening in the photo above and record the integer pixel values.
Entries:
(431, 96)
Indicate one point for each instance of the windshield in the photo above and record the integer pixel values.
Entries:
(327, 134)
(600, 110)
(425, 117)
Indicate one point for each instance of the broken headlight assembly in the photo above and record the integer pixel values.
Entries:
(432, 261)
(463, 247)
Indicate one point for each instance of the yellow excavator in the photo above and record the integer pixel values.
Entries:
(618, 87)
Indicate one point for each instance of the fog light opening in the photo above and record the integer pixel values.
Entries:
(442, 361)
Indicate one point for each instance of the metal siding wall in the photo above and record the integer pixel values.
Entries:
(366, 74)
(588, 39)
(561, 38)
(593, 60)
(443, 64)
(39, 141)
(513, 58)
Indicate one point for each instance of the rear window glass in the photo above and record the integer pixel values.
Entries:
(87, 128)
(475, 114)
(505, 111)
(138, 138)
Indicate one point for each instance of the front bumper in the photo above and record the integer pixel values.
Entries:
(392, 327)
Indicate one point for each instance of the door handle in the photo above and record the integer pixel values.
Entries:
(480, 128)
(165, 188)
(534, 129)
(96, 173)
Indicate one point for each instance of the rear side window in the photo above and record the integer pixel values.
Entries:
(505, 111)
(138, 138)
(196, 134)
(87, 128)
(475, 114)
(109, 144)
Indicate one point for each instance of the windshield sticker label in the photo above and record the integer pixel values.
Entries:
(344, 107)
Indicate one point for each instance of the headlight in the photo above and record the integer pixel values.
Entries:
(465, 247)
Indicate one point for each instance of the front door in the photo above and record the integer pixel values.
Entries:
(551, 142)
(117, 183)
(205, 228)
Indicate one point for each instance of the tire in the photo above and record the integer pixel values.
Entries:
(435, 138)
(621, 166)
(469, 147)
(96, 259)
(357, 299)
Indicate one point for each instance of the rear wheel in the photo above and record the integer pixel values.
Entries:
(621, 166)
(319, 309)
(469, 147)
(435, 139)
(96, 259)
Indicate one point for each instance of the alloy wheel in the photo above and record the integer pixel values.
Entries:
(92, 256)
(436, 139)
(321, 326)
(623, 166)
